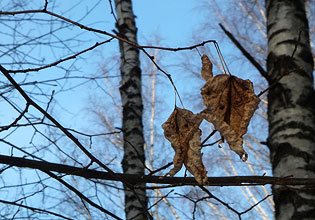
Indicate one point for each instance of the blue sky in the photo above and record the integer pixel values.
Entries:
(175, 21)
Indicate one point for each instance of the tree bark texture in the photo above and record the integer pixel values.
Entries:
(132, 127)
(291, 107)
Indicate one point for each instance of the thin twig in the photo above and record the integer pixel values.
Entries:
(285, 73)
(165, 73)
(224, 65)
(16, 120)
(207, 138)
(213, 143)
(112, 10)
(219, 200)
(117, 37)
(78, 193)
(161, 168)
(34, 209)
(247, 210)
(53, 120)
(61, 60)
(163, 197)
(194, 201)
(104, 32)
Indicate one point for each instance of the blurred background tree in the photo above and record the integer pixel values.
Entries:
(65, 60)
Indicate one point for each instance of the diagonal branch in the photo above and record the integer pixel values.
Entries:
(78, 193)
(245, 53)
(61, 60)
(120, 38)
(53, 120)
(34, 209)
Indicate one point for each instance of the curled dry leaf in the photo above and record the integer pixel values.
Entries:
(182, 130)
(206, 70)
(230, 102)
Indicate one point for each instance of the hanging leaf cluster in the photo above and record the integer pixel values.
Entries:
(182, 130)
(230, 103)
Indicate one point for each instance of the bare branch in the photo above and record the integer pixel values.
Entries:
(104, 32)
(134, 179)
(53, 120)
(61, 60)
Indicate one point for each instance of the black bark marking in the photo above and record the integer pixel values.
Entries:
(307, 99)
(283, 101)
(292, 196)
(277, 65)
(278, 32)
(308, 131)
(283, 150)
(291, 42)
(306, 56)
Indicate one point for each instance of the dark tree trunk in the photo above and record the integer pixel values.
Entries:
(291, 108)
(130, 90)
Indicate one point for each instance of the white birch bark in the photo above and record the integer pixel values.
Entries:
(291, 107)
(130, 90)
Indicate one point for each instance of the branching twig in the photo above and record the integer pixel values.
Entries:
(61, 60)
(195, 202)
(140, 47)
(52, 125)
(16, 120)
(163, 197)
(78, 193)
(165, 73)
(34, 209)
(53, 120)
(220, 201)
(247, 210)
(104, 32)
(275, 82)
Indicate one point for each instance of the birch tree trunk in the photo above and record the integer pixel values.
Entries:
(291, 108)
(132, 127)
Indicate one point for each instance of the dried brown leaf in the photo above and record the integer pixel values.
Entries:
(182, 130)
(231, 102)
